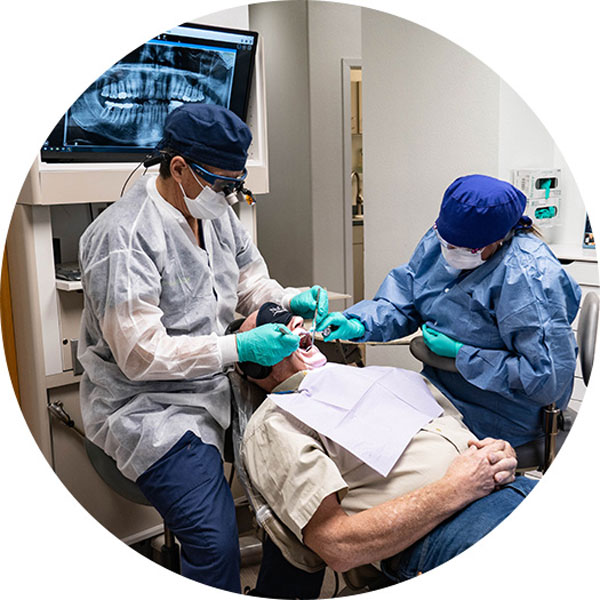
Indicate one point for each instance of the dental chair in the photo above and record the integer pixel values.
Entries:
(107, 469)
(538, 454)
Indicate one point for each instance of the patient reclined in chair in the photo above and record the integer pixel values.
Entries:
(326, 502)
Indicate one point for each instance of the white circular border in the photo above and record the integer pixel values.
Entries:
(50, 53)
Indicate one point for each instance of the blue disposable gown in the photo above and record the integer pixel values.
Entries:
(513, 314)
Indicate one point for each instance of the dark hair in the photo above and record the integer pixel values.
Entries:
(164, 169)
(167, 155)
(531, 229)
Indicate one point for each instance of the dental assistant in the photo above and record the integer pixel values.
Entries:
(163, 270)
(487, 291)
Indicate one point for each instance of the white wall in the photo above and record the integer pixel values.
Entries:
(334, 33)
(524, 144)
(300, 229)
(284, 215)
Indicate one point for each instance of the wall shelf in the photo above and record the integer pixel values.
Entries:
(68, 286)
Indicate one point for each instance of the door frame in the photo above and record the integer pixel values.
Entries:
(347, 65)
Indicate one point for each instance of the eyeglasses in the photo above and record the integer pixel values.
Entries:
(232, 187)
(446, 245)
(220, 183)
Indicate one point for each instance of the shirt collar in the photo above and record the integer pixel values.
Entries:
(167, 208)
(291, 384)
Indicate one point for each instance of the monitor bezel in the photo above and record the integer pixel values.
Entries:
(137, 155)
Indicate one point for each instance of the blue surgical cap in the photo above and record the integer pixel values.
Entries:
(478, 210)
(207, 134)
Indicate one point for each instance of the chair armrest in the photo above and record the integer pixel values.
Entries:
(421, 352)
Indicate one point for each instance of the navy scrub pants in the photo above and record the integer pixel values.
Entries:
(188, 488)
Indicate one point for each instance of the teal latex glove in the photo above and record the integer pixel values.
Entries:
(267, 344)
(305, 303)
(439, 343)
(335, 326)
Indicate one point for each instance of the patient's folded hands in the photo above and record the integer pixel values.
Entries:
(484, 466)
(501, 453)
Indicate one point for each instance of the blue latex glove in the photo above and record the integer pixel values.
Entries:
(305, 303)
(439, 343)
(335, 326)
(267, 344)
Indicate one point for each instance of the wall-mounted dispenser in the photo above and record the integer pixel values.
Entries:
(543, 190)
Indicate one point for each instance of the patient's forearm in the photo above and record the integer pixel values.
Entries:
(344, 541)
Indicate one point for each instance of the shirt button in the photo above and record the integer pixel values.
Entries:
(446, 290)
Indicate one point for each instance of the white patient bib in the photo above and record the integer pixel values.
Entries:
(373, 412)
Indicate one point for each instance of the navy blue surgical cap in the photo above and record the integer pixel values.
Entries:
(207, 134)
(478, 210)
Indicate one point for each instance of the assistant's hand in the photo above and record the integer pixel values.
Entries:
(267, 344)
(305, 303)
(340, 327)
(439, 343)
(498, 451)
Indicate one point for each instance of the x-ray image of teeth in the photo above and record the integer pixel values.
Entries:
(128, 104)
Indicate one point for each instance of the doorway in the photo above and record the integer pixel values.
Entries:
(354, 204)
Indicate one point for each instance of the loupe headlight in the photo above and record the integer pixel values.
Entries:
(232, 188)
(239, 193)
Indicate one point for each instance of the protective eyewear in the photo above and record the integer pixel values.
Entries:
(448, 246)
(232, 187)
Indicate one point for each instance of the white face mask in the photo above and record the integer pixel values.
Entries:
(462, 258)
(208, 204)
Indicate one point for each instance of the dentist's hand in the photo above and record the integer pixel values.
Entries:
(335, 326)
(267, 344)
(305, 303)
(439, 343)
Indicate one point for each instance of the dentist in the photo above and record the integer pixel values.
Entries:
(163, 271)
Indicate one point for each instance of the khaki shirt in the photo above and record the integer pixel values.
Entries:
(294, 468)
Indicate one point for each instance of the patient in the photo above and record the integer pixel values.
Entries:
(445, 492)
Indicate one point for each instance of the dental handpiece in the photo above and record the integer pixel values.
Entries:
(314, 325)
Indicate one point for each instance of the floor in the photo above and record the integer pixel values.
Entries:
(249, 574)
(249, 571)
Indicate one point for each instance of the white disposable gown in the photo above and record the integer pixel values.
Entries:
(156, 306)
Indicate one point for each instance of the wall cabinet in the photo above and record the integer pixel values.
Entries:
(46, 322)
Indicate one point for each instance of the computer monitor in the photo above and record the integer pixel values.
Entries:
(120, 117)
